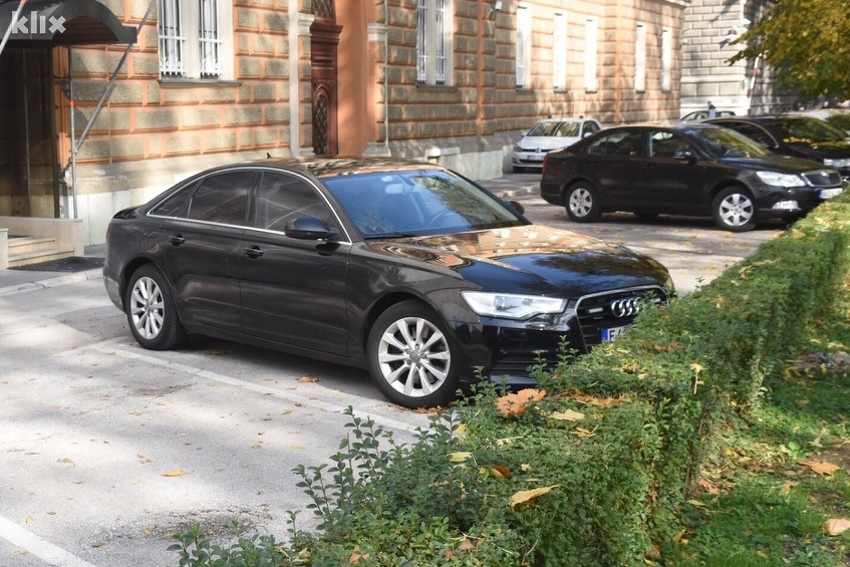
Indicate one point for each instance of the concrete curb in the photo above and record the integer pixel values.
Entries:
(53, 282)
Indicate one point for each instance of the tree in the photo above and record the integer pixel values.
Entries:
(807, 42)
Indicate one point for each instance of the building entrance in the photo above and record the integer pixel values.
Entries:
(29, 184)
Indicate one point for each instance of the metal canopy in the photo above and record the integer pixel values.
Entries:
(61, 22)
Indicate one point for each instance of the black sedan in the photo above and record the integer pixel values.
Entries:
(406, 269)
(796, 136)
(688, 169)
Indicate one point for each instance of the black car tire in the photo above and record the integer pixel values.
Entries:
(582, 203)
(412, 357)
(734, 210)
(518, 169)
(151, 310)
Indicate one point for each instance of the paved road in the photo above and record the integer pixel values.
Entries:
(107, 448)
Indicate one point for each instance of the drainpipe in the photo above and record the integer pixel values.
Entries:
(12, 25)
(386, 76)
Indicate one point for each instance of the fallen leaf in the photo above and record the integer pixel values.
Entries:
(824, 469)
(569, 415)
(307, 379)
(466, 545)
(524, 496)
(836, 526)
(176, 472)
(513, 405)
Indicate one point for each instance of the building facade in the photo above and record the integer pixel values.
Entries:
(745, 87)
(134, 95)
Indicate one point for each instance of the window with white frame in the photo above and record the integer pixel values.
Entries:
(523, 47)
(559, 52)
(666, 59)
(590, 49)
(192, 37)
(640, 58)
(434, 42)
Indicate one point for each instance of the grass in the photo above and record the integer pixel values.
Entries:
(784, 472)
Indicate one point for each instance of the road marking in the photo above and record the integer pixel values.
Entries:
(110, 347)
(42, 549)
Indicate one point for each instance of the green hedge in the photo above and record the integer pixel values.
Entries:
(614, 447)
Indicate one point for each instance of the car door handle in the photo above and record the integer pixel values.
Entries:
(253, 252)
(176, 239)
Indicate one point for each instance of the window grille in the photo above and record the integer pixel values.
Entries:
(171, 37)
(422, 42)
(210, 42)
(441, 42)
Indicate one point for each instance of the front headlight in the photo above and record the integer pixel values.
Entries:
(781, 179)
(511, 306)
(839, 162)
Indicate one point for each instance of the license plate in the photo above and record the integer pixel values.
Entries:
(535, 157)
(612, 333)
(830, 193)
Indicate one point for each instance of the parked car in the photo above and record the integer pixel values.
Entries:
(406, 269)
(798, 136)
(550, 134)
(703, 115)
(689, 169)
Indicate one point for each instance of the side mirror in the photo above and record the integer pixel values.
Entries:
(309, 228)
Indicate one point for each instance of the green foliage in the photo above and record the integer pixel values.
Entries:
(605, 467)
(805, 41)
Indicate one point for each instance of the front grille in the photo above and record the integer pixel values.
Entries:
(611, 310)
(823, 178)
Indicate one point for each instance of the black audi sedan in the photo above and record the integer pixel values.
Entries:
(695, 169)
(406, 269)
(796, 136)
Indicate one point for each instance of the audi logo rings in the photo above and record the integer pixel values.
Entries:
(625, 307)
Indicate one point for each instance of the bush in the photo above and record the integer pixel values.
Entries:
(595, 470)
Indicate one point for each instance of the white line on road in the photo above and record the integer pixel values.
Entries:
(33, 544)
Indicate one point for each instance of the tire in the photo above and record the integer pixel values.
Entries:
(733, 210)
(582, 203)
(152, 311)
(518, 169)
(412, 358)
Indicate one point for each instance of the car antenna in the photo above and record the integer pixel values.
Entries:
(268, 155)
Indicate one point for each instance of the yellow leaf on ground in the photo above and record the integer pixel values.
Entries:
(524, 496)
(307, 379)
(176, 472)
(836, 526)
(569, 415)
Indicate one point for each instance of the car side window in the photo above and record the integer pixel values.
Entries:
(282, 198)
(664, 144)
(754, 133)
(222, 198)
(621, 143)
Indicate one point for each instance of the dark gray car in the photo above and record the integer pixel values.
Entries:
(687, 169)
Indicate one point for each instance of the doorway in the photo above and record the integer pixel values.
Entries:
(324, 39)
(29, 184)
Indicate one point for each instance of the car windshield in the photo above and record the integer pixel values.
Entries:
(805, 130)
(417, 202)
(558, 129)
(723, 142)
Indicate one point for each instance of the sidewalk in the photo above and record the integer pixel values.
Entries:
(510, 186)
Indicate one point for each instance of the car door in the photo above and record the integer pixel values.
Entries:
(201, 229)
(293, 291)
(613, 162)
(668, 181)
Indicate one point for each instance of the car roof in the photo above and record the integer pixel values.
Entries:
(336, 166)
(566, 119)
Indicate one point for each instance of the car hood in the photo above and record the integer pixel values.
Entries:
(775, 162)
(531, 259)
(547, 142)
